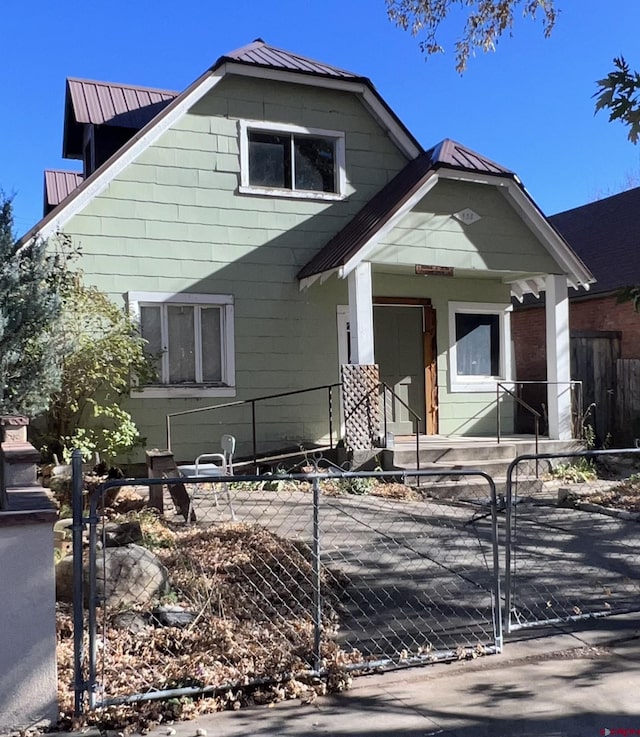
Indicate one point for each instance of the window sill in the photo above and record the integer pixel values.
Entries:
(292, 193)
(183, 392)
(481, 385)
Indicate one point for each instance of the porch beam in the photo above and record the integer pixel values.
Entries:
(558, 357)
(361, 314)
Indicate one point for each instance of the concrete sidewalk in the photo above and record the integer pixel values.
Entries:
(563, 684)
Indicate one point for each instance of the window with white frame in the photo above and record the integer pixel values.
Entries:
(479, 345)
(190, 341)
(291, 160)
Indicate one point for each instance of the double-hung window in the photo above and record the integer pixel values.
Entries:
(479, 346)
(291, 161)
(189, 338)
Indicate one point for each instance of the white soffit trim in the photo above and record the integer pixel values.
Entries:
(516, 291)
(308, 281)
(533, 287)
(98, 181)
(475, 177)
(368, 247)
(371, 100)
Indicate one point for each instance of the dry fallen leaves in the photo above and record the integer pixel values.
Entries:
(251, 593)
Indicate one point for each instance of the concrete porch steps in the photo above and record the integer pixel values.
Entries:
(447, 455)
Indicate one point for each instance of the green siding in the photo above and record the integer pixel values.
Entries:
(499, 241)
(173, 221)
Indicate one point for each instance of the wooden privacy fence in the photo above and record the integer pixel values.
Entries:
(627, 420)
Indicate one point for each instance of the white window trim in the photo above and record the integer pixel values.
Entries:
(480, 383)
(246, 188)
(166, 391)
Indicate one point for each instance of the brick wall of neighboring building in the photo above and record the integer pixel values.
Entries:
(597, 313)
(528, 334)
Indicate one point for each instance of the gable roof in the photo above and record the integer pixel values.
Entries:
(379, 210)
(258, 60)
(107, 103)
(455, 155)
(606, 235)
(450, 160)
(258, 53)
(58, 185)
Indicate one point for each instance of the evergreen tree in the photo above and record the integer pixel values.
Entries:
(32, 282)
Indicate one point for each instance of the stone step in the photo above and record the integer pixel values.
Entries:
(405, 454)
(474, 453)
(467, 488)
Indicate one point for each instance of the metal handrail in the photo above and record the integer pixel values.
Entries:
(572, 384)
(252, 402)
(328, 387)
(536, 415)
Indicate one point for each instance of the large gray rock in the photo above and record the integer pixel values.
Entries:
(117, 534)
(125, 576)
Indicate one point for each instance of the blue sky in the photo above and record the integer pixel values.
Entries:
(529, 106)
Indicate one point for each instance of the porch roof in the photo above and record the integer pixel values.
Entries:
(448, 159)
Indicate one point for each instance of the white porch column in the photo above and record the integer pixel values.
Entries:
(558, 357)
(361, 314)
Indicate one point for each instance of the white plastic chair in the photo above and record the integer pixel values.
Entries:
(219, 464)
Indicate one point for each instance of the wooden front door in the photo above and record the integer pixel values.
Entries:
(404, 339)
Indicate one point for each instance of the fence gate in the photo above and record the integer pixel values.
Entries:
(282, 576)
(572, 537)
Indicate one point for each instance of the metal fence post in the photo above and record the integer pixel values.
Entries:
(93, 593)
(317, 595)
(330, 389)
(497, 613)
(78, 593)
(509, 502)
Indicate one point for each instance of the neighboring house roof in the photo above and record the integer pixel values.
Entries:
(107, 103)
(606, 235)
(257, 59)
(391, 203)
(58, 185)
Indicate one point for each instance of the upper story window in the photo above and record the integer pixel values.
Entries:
(291, 161)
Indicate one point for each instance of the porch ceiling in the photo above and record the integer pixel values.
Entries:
(520, 283)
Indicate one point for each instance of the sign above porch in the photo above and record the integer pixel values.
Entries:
(423, 270)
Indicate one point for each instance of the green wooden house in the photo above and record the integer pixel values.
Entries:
(276, 220)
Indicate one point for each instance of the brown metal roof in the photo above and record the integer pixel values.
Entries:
(119, 104)
(381, 208)
(58, 185)
(261, 54)
(106, 103)
(455, 155)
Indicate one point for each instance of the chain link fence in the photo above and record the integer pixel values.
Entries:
(313, 575)
(572, 537)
